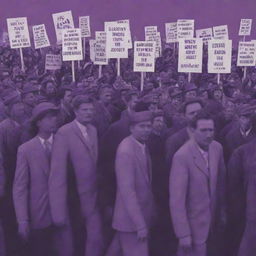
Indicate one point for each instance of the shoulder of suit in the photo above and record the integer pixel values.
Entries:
(125, 145)
(177, 135)
(216, 144)
(26, 146)
(65, 128)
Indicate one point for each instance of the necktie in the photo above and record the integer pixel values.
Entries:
(48, 148)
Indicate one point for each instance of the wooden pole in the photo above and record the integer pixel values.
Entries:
(73, 71)
(22, 61)
(100, 71)
(84, 46)
(118, 67)
(141, 81)
(218, 78)
(189, 77)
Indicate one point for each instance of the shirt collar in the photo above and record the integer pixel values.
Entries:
(142, 146)
(50, 139)
(246, 133)
(81, 126)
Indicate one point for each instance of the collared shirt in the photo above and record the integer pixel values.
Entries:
(49, 140)
(205, 155)
(246, 133)
(82, 128)
(142, 146)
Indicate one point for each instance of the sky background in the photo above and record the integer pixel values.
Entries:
(207, 13)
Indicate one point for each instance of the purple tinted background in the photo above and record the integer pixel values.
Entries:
(207, 13)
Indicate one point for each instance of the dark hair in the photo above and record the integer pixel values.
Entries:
(201, 115)
(80, 99)
(191, 101)
(129, 96)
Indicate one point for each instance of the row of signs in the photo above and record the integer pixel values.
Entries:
(115, 41)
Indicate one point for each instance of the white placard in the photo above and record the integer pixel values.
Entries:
(205, 34)
(18, 32)
(72, 44)
(219, 56)
(62, 20)
(84, 25)
(117, 40)
(190, 55)
(129, 37)
(150, 33)
(53, 62)
(185, 29)
(220, 32)
(144, 56)
(41, 39)
(100, 48)
(171, 32)
(245, 27)
(246, 54)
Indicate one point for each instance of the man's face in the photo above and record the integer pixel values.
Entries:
(133, 102)
(142, 130)
(158, 123)
(84, 114)
(217, 94)
(18, 112)
(191, 110)
(30, 99)
(190, 95)
(106, 96)
(48, 124)
(245, 122)
(204, 132)
(68, 96)
(50, 89)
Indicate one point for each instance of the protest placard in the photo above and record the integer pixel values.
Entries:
(144, 56)
(245, 27)
(84, 25)
(150, 33)
(100, 48)
(205, 34)
(171, 32)
(53, 62)
(219, 56)
(62, 20)
(129, 37)
(246, 54)
(72, 44)
(41, 39)
(220, 32)
(185, 29)
(92, 43)
(190, 55)
(18, 32)
(116, 40)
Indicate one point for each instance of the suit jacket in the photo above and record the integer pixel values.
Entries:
(134, 206)
(196, 193)
(30, 188)
(71, 146)
(173, 143)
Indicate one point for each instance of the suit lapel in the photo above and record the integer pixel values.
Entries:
(81, 137)
(198, 159)
(142, 160)
(44, 161)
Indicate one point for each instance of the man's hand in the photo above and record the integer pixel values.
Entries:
(142, 234)
(24, 230)
(185, 243)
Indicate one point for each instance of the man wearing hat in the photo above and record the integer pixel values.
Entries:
(242, 133)
(29, 99)
(134, 207)
(73, 165)
(30, 188)
(190, 91)
(10, 134)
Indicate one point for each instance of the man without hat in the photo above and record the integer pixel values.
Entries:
(74, 159)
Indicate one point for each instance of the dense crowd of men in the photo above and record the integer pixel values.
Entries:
(98, 167)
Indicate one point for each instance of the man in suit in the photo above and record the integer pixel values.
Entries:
(197, 188)
(76, 146)
(10, 140)
(134, 207)
(30, 188)
(243, 133)
(175, 141)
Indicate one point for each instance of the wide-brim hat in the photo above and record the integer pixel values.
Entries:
(41, 109)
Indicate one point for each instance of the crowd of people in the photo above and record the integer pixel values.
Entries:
(98, 167)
